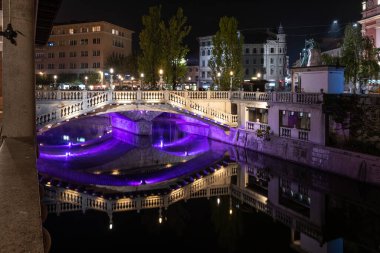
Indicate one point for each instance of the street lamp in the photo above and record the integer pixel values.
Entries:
(231, 77)
(161, 72)
(85, 80)
(258, 75)
(132, 78)
(141, 80)
(111, 78)
(55, 80)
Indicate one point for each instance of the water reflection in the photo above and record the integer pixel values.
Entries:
(261, 199)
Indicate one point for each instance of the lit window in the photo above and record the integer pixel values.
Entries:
(96, 28)
(71, 31)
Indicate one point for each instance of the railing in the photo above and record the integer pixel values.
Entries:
(120, 96)
(201, 110)
(254, 126)
(294, 133)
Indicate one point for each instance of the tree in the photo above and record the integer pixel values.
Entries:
(359, 55)
(227, 54)
(122, 64)
(150, 59)
(174, 52)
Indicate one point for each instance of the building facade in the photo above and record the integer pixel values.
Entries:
(264, 57)
(82, 47)
(267, 58)
(371, 20)
(205, 53)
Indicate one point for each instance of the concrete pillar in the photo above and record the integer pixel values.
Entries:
(18, 70)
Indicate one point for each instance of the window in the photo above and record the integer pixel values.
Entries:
(61, 54)
(255, 50)
(280, 50)
(40, 55)
(115, 32)
(208, 52)
(254, 71)
(203, 44)
(262, 61)
(254, 60)
(208, 43)
(203, 63)
(271, 71)
(61, 66)
(117, 43)
(51, 66)
(84, 29)
(203, 52)
(84, 41)
(71, 31)
(73, 54)
(209, 74)
(96, 65)
(272, 50)
(203, 74)
(247, 50)
(62, 43)
(246, 61)
(291, 119)
(72, 42)
(262, 50)
(96, 41)
(271, 60)
(73, 65)
(40, 66)
(96, 53)
(84, 65)
(50, 55)
(246, 72)
(84, 53)
(96, 28)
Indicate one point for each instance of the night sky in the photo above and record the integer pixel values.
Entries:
(301, 19)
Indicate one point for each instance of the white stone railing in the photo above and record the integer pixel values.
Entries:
(73, 110)
(121, 96)
(201, 110)
(294, 133)
(254, 126)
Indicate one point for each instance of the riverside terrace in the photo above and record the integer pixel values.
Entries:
(292, 126)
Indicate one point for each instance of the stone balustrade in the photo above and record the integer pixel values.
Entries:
(147, 96)
(294, 133)
(254, 126)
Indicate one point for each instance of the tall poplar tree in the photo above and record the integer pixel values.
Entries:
(150, 59)
(227, 54)
(173, 49)
(359, 56)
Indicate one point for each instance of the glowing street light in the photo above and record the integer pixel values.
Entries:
(85, 79)
(231, 77)
(111, 77)
(161, 72)
(55, 77)
(258, 75)
(141, 80)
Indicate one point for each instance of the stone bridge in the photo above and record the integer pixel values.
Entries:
(224, 108)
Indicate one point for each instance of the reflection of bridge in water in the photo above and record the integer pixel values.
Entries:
(298, 197)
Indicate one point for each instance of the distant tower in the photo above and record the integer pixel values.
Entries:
(281, 34)
(371, 20)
